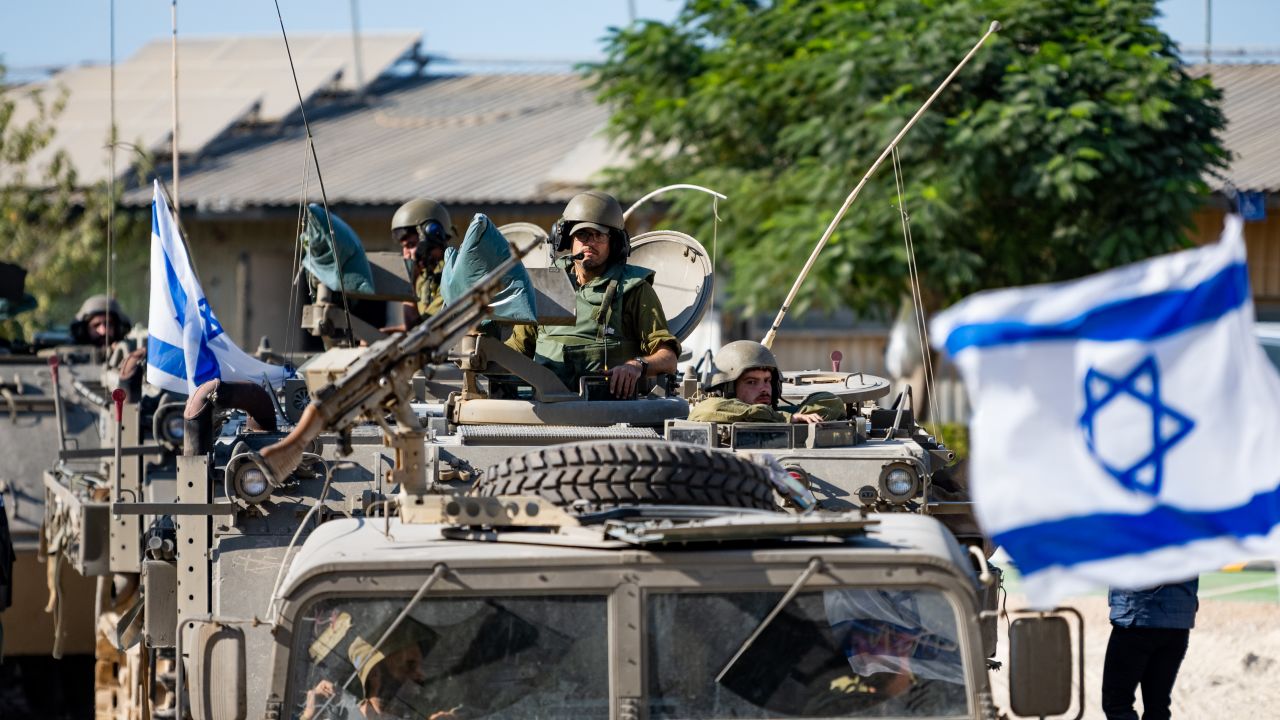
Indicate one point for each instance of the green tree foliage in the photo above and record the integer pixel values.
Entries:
(55, 228)
(1074, 141)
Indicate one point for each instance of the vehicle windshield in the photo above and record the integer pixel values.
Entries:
(495, 657)
(829, 653)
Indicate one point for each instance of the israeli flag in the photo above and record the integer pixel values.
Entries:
(1126, 426)
(186, 346)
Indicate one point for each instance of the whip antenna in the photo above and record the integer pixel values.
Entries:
(813, 257)
(324, 198)
(679, 186)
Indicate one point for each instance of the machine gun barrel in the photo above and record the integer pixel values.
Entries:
(369, 386)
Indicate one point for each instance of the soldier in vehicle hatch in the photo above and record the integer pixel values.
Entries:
(746, 387)
(99, 319)
(423, 229)
(621, 330)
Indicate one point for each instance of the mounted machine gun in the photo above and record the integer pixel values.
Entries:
(375, 381)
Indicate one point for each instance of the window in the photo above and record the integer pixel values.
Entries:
(829, 653)
(507, 657)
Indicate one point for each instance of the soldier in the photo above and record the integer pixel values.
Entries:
(395, 665)
(746, 387)
(99, 320)
(621, 330)
(423, 229)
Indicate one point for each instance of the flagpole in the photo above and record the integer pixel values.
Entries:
(111, 173)
(174, 19)
(177, 222)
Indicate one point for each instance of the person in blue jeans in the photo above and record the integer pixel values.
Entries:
(1149, 633)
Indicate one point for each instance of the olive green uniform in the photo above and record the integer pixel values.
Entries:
(427, 288)
(619, 317)
(732, 410)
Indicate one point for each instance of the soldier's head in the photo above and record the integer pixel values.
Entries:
(747, 371)
(423, 229)
(592, 225)
(397, 662)
(100, 320)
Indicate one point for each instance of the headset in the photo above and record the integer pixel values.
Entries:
(431, 234)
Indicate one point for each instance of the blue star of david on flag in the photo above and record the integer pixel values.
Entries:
(1132, 398)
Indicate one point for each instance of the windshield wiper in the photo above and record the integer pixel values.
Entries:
(815, 565)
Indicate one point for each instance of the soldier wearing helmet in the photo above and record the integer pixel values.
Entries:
(423, 228)
(746, 387)
(621, 330)
(99, 321)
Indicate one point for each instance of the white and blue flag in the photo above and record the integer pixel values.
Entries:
(1126, 426)
(186, 346)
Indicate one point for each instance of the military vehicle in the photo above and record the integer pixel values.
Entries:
(520, 548)
(52, 397)
(39, 625)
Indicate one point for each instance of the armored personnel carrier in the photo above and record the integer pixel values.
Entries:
(504, 546)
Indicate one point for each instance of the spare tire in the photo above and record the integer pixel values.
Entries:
(623, 472)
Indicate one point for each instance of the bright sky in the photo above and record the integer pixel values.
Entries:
(39, 33)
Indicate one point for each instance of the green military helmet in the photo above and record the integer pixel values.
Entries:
(594, 209)
(599, 210)
(101, 305)
(419, 213)
(738, 357)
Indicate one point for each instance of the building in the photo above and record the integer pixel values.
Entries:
(515, 146)
(1250, 96)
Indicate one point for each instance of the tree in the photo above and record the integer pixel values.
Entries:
(1074, 141)
(56, 229)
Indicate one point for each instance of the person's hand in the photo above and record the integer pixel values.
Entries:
(624, 379)
(321, 692)
(811, 418)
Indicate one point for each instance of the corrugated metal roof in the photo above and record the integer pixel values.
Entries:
(467, 140)
(1251, 102)
(221, 80)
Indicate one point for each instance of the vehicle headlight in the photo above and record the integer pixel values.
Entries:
(252, 481)
(175, 426)
(246, 480)
(898, 483)
(169, 426)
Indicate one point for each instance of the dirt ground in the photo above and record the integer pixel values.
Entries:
(1232, 668)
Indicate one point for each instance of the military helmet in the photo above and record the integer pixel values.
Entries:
(738, 357)
(594, 209)
(419, 214)
(101, 305)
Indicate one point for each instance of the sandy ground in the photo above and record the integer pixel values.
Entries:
(1232, 668)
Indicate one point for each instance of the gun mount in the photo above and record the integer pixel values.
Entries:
(371, 383)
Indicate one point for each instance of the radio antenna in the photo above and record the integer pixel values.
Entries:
(813, 257)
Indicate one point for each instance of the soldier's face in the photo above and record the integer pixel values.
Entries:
(99, 326)
(409, 242)
(594, 246)
(405, 665)
(755, 387)
(408, 239)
